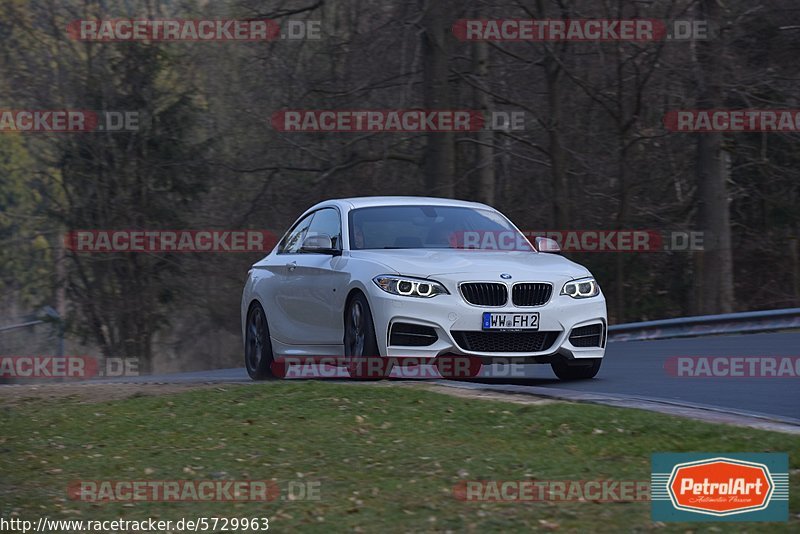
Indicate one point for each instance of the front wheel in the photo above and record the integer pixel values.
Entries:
(360, 344)
(579, 370)
(257, 347)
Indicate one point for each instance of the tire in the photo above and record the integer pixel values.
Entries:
(572, 371)
(258, 355)
(361, 352)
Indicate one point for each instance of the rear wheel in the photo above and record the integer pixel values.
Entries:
(577, 369)
(257, 347)
(360, 344)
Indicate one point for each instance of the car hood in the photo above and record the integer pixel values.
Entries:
(431, 263)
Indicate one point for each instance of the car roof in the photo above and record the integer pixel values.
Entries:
(367, 202)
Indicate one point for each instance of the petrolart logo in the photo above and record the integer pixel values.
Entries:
(720, 487)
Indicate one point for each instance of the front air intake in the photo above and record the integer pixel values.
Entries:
(478, 341)
(412, 335)
(587, 336)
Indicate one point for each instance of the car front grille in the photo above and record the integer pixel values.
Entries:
(477, 341)
(587, 336)
(531, 294)
(485, 293)
(412, 335)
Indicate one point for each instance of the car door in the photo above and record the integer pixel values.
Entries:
(282, 323)
(313, 293)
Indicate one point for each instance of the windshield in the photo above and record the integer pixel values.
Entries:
(403, 227)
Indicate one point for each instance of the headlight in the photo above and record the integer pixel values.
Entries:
(581, 289)
(409, 287)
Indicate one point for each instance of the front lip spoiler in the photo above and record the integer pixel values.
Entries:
(510, 360)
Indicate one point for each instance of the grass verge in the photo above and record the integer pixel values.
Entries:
(385, 457)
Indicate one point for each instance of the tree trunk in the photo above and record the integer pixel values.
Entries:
(440, 150)
(714, 273)
(484, 155)
(558, 170)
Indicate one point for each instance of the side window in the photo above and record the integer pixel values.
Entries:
(326, 221)
(291, 243)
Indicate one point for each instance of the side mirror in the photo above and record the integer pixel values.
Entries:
(319, 244)
(545, 244)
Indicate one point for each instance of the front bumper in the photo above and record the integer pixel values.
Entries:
(447, 314)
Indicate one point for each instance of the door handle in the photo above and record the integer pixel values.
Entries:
(291, 266)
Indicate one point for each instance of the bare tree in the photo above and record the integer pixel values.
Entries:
(714, 264)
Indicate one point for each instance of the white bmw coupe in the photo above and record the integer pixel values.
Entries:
(395, 277)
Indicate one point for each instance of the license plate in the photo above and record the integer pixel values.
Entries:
(510, 321)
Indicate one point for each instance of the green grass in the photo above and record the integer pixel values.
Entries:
(387, 458)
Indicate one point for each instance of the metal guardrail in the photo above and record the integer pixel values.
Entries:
(706, 325)
(45, 315)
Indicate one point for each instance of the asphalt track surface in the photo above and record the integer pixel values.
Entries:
(635, 370)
